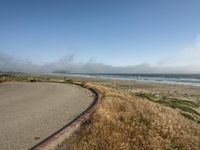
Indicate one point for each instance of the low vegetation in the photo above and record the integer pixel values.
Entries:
(125, 121)
(69, 81)
(186, 106)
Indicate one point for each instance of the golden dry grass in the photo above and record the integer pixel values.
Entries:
(123, 121)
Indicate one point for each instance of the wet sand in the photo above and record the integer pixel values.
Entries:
(30, 112)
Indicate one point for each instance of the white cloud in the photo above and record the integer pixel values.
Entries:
(192, 53)
(189, 56)
(188, 61)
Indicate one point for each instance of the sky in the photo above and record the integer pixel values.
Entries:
(127, 36)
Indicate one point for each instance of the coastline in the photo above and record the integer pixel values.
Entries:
(149, 115)
(171, 81)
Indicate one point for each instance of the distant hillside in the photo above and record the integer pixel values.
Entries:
(61, 71)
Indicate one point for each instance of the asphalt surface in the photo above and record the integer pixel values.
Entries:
(30, 112)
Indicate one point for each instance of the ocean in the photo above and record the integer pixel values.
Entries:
(184, 79)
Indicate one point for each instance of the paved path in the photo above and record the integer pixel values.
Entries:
(30, 112)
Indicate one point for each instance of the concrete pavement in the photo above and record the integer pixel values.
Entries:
(30, 112)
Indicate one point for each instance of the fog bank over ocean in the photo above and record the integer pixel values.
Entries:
(67, 63)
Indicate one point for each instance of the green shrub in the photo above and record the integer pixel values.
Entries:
(69, 81)
(185, 102)
(149, 96)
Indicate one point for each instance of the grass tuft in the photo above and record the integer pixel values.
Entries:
(69, 81)
(183, 105)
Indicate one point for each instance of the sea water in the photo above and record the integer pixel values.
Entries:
(185, 79)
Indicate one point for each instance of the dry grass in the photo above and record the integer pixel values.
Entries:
(123, 121)
(186, 107)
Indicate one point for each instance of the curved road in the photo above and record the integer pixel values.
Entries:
(30, 112)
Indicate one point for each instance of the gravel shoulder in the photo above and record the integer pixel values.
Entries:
(30, 112)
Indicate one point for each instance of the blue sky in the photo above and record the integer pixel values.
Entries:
(112, 32)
